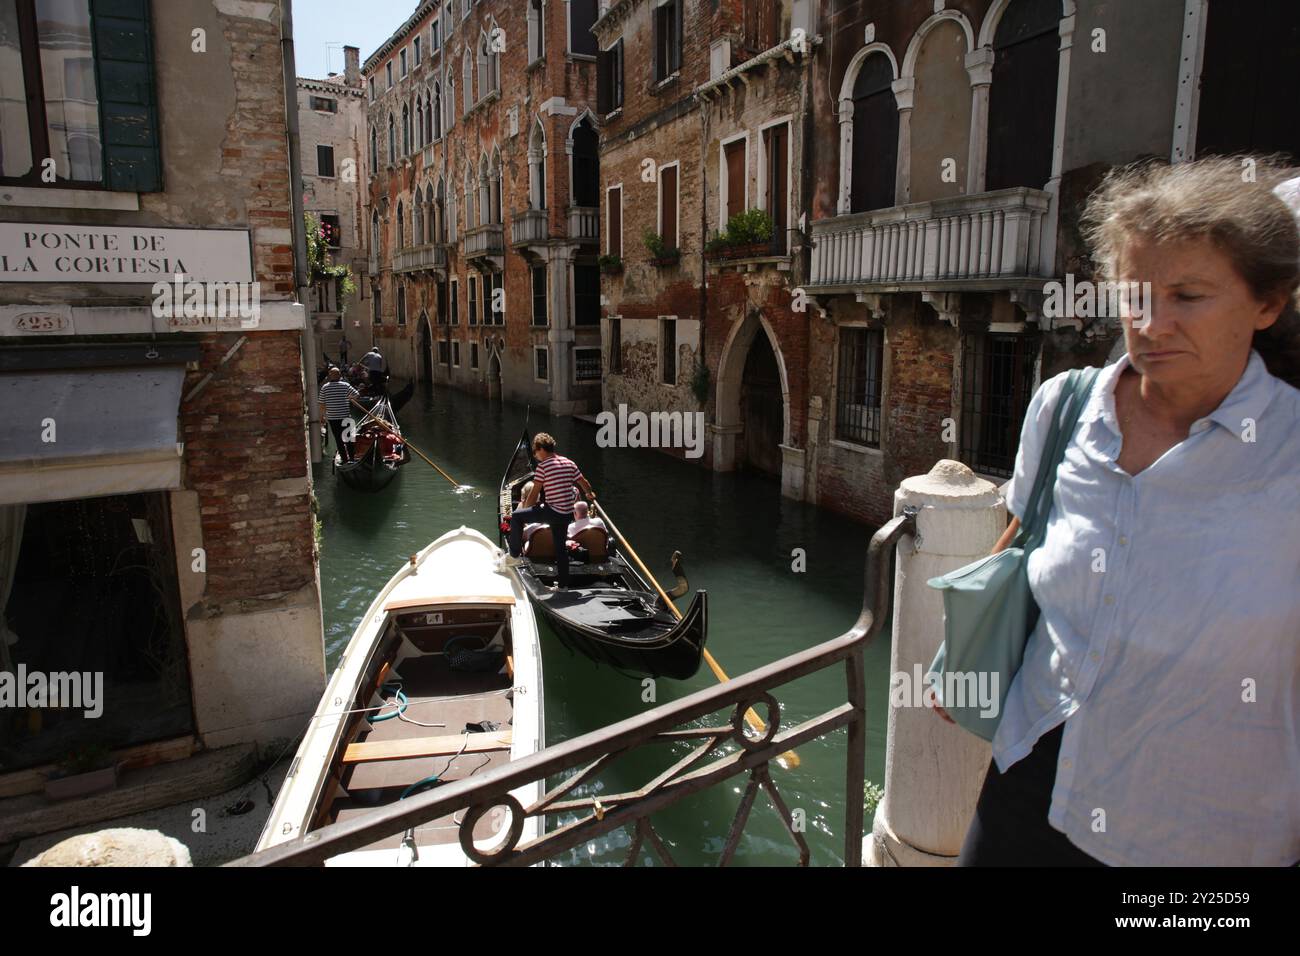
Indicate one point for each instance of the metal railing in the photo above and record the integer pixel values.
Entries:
(484, 240)
(593, 816)
(986, 236)
(584, 223)
(529, 226)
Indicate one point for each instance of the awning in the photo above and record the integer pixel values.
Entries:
(91, 432)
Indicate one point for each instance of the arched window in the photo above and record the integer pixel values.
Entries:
(586, 164)
(481, 62)
(453, 213)
(428, 120)
(449, 101)
(874, 157)
(941, 113)
(467, 80)
(484, 193)
(406, 130)
(537, 166)
(494, 183)
(440, 212)
(374, 148)
(417, 220)
(470, 190)
(430, 222)
(1022, 99)
(536, 30)
(437, 112)
(401, 228)
(392, 140)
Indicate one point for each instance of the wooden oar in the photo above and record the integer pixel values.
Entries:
(788, 760)
(405, 441)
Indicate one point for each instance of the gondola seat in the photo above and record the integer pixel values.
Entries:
(596, 541)
(540, 545)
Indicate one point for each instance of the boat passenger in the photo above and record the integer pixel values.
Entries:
(582, 520)
(556, 475)
(335, 398)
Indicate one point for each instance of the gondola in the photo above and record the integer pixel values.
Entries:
(609, 612)
(378, 452)
(442, 680)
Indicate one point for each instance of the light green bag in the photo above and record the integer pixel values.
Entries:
(989, 610)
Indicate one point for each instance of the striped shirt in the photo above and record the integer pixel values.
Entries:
(557, 475)
(334, 396)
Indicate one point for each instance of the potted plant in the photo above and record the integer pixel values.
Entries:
(86, 770)
(610, 265)
(747, 235)
(661, 254)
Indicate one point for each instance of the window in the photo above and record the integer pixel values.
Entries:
(539, 295)
(667, 39)
(94, 117)
(997, 383)
(586, 365)
(874, 160)
(1022, 99)
(388, 70)
(455, 354)
(401, 228)
(586, 293)
(761, 26)
(401, 305)
(776, 182)
(374, 148)
(442, 303)
(668, 205)
(473, 355)
(449, 101)
(376, 310)
(401, 56)
(616, 345)
(444, 353)
(435, 35)
(333, 232)
(609, 79)
(467, 81)
(406, 130)
(371, 82)
(455, 302)
(541, 363)
(498, 300)
(428, 121)
(374, 242)
(324, 104)
(485, 302)
(614, 221)
(536, 31)
(419, 123)
(392, 140)
(325, 161)
(582, 14)
(473, 300)
(437, 113)
(668, 351)
(733, 183)
(586, 164)
(415, 45)
(537, 167)
(858, 386)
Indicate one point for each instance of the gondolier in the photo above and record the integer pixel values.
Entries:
(555, 476)
(334, 397)
(376, 367)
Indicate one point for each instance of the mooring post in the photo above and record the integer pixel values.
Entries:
(933, 769)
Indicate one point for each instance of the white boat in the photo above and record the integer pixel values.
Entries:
(449, 641)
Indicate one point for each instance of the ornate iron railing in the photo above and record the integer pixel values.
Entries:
(593, 816)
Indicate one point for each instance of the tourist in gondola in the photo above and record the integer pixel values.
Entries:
(555, 477)
(582, 520)
(335, 398)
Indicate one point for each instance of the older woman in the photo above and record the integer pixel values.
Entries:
(1156, 717)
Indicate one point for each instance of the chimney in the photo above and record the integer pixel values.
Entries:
(352, 65)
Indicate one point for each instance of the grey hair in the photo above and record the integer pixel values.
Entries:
(1211, 199)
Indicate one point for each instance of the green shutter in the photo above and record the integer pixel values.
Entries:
(127, 103)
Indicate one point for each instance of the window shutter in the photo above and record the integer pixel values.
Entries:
(128, 101)
(604, 84)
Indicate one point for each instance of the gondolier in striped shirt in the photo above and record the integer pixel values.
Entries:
(555, 475)
(335, 395)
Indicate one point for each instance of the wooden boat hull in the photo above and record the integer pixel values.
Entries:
(609, 613)
(348, 763)
(369, 473)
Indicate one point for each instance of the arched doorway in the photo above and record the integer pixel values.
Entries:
(753, 414)
(494, 376)
(426, 349)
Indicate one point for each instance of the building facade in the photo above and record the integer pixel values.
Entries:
(934, 196)
(483, 207)
(155, 493)
(332, 131)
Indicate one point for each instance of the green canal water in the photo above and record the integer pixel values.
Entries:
(736, 534)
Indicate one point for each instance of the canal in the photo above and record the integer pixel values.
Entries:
(738, 537)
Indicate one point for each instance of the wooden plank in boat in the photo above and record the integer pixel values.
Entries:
(449, 599)
(443, 746)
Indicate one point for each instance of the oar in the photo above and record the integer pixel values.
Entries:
(405, 441)
(788, 760)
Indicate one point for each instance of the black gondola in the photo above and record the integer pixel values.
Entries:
(609, 612)
(379, 452)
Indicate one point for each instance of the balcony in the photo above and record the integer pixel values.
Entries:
(485, 240)
(531, 225)
(584, 223)
(987, 240)
(427, 258)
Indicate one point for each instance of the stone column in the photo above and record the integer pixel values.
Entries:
(905, 94)
(979, 67)
(560, 336)
(933, 769)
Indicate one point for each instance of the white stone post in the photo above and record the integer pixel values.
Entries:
(933, 769)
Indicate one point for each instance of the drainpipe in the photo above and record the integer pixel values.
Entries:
(705, 126)
(298, 225)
